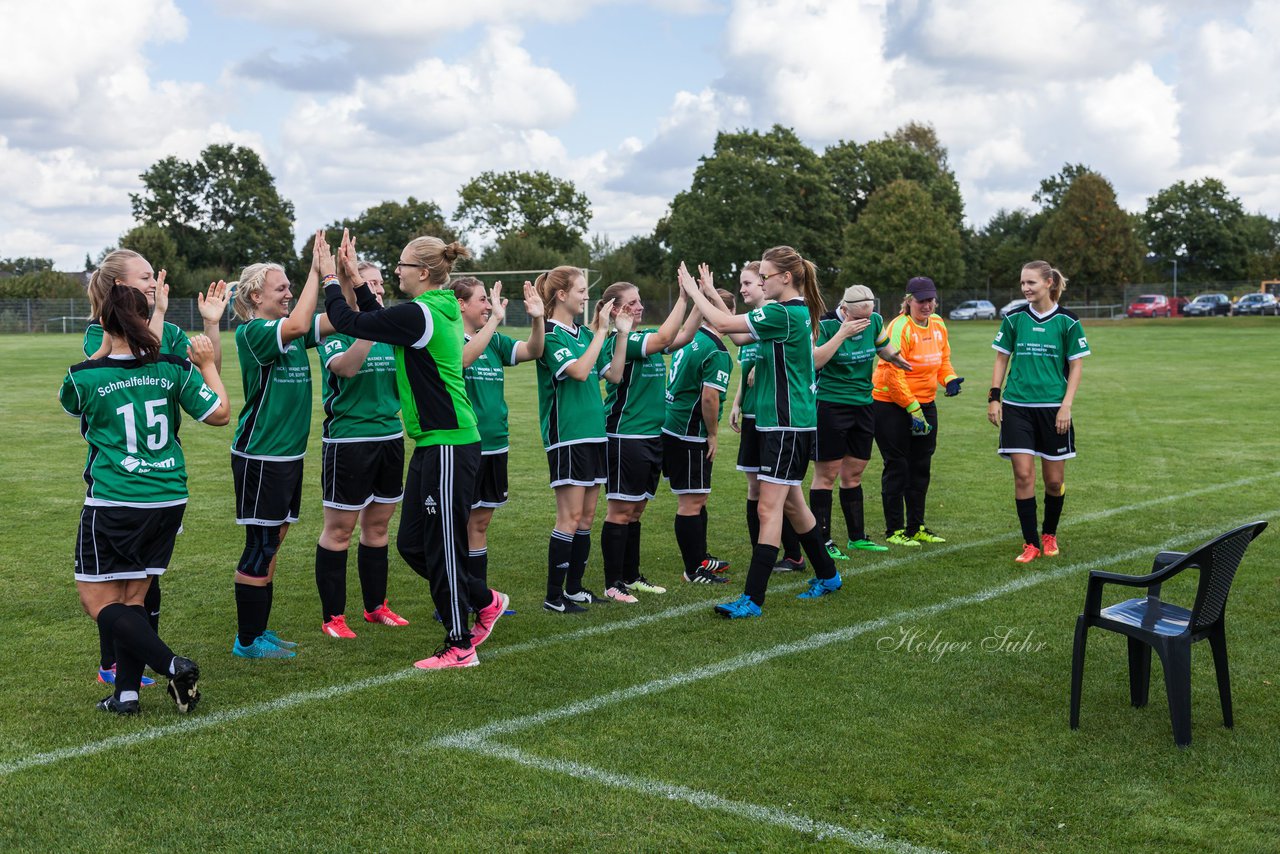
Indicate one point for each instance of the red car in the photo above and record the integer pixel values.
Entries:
(1151, 305)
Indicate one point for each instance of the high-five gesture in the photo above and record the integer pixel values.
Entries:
(497, 305)
(214, 303)
(623, 321)
(348, 265)
(533, 302)
(322, 256)
(687, 284)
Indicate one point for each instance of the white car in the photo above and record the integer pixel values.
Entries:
(973, 309)
(1013, 306)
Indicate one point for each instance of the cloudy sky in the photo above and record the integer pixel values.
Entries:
(353, 103)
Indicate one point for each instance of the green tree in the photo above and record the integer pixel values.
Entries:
(1091, 239)
(521, 252)
(154, 243)
(639, 260)
(18, 266)
(527, 204)
(902, 234)
(914, 153)
(754, 191)
(42, 284)
(1049, 196)
(221, 210)
(996, 252)
(1201, 225)
(381, 232)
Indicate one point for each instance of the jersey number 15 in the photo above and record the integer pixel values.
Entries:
(157, 425)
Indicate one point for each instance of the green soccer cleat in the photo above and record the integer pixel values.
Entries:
(900, 538)
(924, 535)
(833, 551)
(866, 546)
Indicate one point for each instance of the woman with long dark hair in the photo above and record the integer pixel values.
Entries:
(129, 403)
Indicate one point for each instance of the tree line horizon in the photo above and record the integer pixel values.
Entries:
(874, 213)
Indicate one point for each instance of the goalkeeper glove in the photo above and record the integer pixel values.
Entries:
(953, 387)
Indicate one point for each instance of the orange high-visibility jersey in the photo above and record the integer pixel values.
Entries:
(929, 352)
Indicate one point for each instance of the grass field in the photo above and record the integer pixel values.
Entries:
(657, 726)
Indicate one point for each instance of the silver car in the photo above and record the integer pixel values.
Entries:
(1012, 306)
(973, 309)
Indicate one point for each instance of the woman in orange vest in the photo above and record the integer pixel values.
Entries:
(906, 415)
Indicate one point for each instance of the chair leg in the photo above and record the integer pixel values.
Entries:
(1218, 643)
(1139, 672)
(1077, 669)
(1176, 659)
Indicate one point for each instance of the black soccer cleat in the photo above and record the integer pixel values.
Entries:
(562, 605)
(715, 564)
(109, 703)
(183, 686)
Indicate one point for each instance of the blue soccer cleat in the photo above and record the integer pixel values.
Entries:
(819, 587)
(107, 676)
(741, 607)
(260, 648)
(275, 640)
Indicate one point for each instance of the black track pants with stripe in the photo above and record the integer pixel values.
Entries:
(433, 531)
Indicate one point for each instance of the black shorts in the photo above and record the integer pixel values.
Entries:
(354, 475)
(579, 464)
(844, 430)
(1031, 430)
(784, 455)
(635, 465)
(749, 446)
(685, 465)
(491, 481)
(122, 543)
(268, 492)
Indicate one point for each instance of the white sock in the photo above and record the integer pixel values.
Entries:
(126, 696)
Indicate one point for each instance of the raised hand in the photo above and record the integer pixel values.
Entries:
(603, 312)
(532, 301)
(162, 292)
(705, 279)
(623, 321)
(213, 304)
(687, 284)
(348, 265)
(322, 256)
(497, 305)
(200, 351)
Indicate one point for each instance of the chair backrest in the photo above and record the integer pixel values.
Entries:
(1218, 560)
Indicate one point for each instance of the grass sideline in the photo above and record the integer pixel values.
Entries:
(859, 741)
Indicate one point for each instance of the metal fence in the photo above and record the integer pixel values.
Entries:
(71, 315)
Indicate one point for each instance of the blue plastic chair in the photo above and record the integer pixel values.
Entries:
(1151, 623)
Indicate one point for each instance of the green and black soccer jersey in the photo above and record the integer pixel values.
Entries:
(275, 421)
(427, 336)
(785, 398)
(129, 413)
(570, 411)
(364, 407)
(1040, 348)
(748, 355)
(846, 377)
(486, 381)
(704, 361)
(173, 341)
(634, 406)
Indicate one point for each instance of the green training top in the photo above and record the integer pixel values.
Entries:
(785, 398)
(1040, 348)
(633, 407)
(276, 418)
(173, 341)
(486, 379)
(846, 377)
(748, 355)
(704, 361)
(433, 395)
(570, 411)
(129, 415)
(364, 407)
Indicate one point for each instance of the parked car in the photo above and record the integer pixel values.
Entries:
(1256, 304)
(1012, 306)
(1207, 305)
(973, 309)
(1150, 305)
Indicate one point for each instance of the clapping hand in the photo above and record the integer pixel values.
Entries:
(322, 257)
(200, 351)
(687, 284)
(705, 279)
(533, 302)
(348, 266)
(603, 313)
(213, 304)
(162, 292)
(623, 321)
(497, 305)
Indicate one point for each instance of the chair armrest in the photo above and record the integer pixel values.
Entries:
(1164, 559)
(1152, 581)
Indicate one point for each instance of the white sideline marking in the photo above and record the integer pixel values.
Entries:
(469, 738)
(288, 701)
(703, 800)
